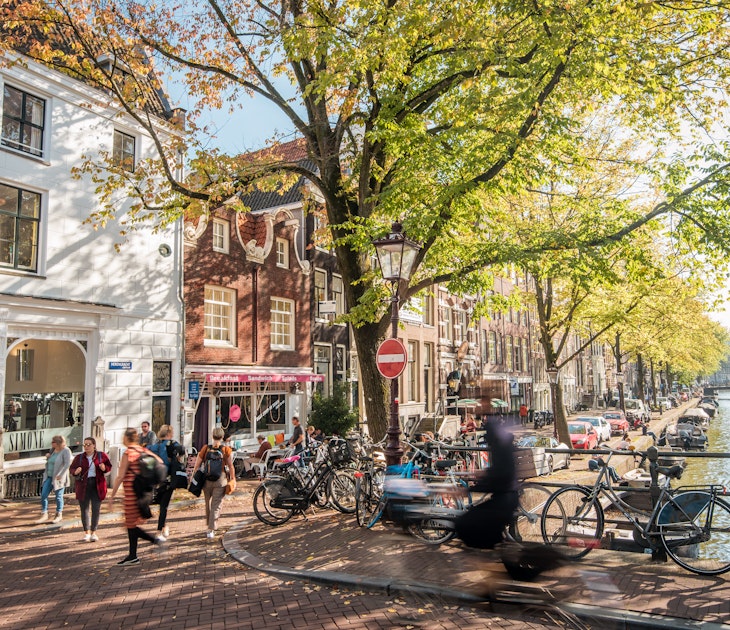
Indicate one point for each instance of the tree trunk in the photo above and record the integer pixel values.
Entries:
(640, 383)
(561, 418)
(375, 389)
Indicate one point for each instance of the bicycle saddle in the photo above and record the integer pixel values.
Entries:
(673, 472)
(440, 464)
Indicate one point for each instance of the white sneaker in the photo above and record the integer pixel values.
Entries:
(94, 538)
(58, 518)
(43, 518)
(161, 537)
(166, 532)
(210, 534)
(87, 538)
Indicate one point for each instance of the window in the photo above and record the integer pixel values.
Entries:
(412, 372)
(24, 370)
(338, 295)
(162, 388)
(428, 309)
(509, 352)
(219, 316)
(123, 153)
(322, 365)
(282, 324)
(340, 363)
(20, 215)
(428, 375)
(320, 289)
(221, 235)
(23, 121)
(485, 346)
(282, 253)
(518, 354)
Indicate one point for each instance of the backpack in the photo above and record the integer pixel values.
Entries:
(178, 464)
(213, 465)
(151, 472)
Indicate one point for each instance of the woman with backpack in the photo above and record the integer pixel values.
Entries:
(215, 459)
(166, 449)
(128, 469)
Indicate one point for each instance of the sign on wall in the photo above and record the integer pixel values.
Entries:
(120, 365)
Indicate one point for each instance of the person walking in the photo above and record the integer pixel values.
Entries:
(55, 477)
(165, 448)
(146, 437)
(90, 469)
(128, 468)
(216, 459)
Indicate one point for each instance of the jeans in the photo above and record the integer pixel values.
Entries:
(45, 493)
(91, 499)
(214, 491)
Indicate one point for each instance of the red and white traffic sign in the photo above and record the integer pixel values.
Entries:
(391, 358)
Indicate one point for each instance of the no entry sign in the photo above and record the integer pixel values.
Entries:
(391, 358)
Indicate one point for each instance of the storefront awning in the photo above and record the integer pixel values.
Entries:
(498, 402)
(264, 378)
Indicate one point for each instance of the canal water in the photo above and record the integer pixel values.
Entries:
(712, 470)
(703, 471)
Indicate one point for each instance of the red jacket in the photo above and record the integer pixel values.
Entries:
(83, 462)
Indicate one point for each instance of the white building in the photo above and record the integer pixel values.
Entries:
(86, 331)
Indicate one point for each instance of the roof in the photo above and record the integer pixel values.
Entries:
(28, 34)
(295, 152)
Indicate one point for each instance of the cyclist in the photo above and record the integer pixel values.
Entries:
(483, 525)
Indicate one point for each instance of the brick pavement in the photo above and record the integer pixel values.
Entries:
(49, 579)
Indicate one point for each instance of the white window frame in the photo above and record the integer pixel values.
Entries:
(323, 365)
(411, 373)
(282, 320)
(40, 227)
(221, 235)
(27, 150)
(120, 161)
(337, 289)
(223, 321)
(282, 253)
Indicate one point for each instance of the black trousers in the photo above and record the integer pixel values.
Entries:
(483, 525)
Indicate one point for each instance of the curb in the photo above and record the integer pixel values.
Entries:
(525, 595)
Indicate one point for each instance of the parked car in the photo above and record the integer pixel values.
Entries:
(600, 424)
(582, 435)
(636, 412)
(545, 463)
(617, 420)
(663, 403)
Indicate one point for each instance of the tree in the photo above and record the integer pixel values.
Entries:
(332, 414)
(415, 111)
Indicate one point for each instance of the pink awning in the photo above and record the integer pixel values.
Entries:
(264, 378)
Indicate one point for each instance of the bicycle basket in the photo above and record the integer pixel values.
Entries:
(339, 452)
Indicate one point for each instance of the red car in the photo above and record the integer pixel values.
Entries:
(583, 435)
(617, 420)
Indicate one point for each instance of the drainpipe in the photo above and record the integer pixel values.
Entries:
(254, 314)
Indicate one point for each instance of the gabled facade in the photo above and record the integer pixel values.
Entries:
(248, 328)
(86, 332)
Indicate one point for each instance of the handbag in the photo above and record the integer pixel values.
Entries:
(197, 482)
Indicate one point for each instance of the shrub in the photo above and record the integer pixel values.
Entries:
(332, 414)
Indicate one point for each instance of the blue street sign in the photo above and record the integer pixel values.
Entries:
(120, 365)
(193, 390)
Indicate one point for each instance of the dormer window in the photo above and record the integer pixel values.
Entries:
(282, 253)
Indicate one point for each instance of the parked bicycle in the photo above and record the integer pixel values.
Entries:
(691, 524)
(294, 489)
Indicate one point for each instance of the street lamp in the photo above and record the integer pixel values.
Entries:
(396, 256)
(620, 383)
(553, 374)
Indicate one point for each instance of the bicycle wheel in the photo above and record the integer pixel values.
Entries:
(434, 530)
(378, 510)
(364, 500)
(527, 527)
(694, 528)
(572, 521)
(341, 490)
(262, 507)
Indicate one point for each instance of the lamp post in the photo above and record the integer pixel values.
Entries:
(620, 383)
(553, 374)
(396, 256)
